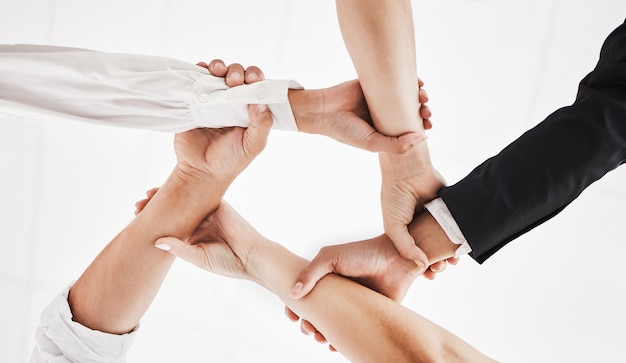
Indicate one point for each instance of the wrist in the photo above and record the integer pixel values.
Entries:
(431, 238)
(414, 159)
(194, 179)
(278, 278)
(306, 105)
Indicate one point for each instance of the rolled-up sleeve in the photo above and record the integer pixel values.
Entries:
(127, 90)
(60, 339)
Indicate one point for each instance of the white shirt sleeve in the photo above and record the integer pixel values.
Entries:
(60, 339)
(135, 91)
(440, 212)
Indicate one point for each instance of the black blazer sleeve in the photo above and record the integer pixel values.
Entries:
(539, 174)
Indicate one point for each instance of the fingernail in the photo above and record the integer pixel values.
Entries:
(297, 288)
(235, 76)
(163, 246)
(253, 77)
(304, 331)
(261, 108)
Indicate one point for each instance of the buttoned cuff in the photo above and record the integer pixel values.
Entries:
(222, 106)
(58, 334)
(439, 210)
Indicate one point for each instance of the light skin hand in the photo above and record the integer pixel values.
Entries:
(349, 257)
(408, 181)
(378, 266)
(374, 263)
(341, 112)
(233, 74)
(208, 247)
(223, 153)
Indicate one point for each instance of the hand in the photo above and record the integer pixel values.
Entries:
(222, 153)
(438, 267)
(234, 74)
(211, 246)
(408, 181)
(307, 328)
(374, 263)
(340, 112)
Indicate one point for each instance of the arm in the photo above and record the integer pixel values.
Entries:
(379, 36)
(360, 323)
(546, 168)
(128, 90)
(380, 39)
(117, 288)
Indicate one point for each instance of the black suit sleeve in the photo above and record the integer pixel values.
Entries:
(539, 174)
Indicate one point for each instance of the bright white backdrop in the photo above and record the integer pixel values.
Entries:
(492, 68)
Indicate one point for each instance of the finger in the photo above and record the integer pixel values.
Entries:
(453, 260)
(255, 136)
(234, 76)
(438, 266)
(203, 65)
(140, 205)
(307, 328)
(425, 112)
(332, 349)
(190, 253)
(253, 74)
(319, 337)
(422, 96)
(217, 68)
(291, 315)
(405, 244)
(427, 124)
(319, 267)
(429, 275)
(151, 192)
(420, 83)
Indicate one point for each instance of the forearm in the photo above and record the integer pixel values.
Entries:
(380, 38)
(362, 324)
(118, 287)
(546, 168)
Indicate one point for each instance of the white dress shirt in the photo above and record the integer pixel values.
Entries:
(136, 91)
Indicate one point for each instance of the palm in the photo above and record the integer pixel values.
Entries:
(213, 251)
(223, 242)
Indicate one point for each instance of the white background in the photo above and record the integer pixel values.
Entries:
(493, 69)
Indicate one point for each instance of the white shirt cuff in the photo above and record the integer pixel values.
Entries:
(223, 107)
(439, 210)
(60, 339)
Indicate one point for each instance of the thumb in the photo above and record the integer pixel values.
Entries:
(255, 136)
(309, 276)
(405, 244)
(377, 142)
(178, 248)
